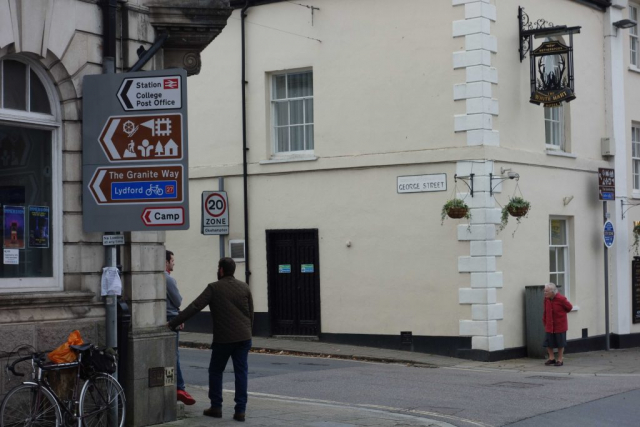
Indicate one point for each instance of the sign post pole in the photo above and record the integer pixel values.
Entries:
(222, 242)
(607, 191)
(606, 280)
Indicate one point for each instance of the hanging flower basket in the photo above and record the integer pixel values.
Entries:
(517, 208)
(455, 208)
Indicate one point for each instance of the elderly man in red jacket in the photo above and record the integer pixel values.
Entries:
(556, 307)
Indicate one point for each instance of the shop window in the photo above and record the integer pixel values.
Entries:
(559, 254)
(292, 112)
(29, 176)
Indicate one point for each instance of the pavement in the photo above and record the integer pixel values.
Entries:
(271, 410)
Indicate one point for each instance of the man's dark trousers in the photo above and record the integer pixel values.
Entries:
(220, 353)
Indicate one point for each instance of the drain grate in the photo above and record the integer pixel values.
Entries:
(509, 384)
(542, 377)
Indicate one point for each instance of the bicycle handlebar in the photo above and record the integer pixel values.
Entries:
(37, 357)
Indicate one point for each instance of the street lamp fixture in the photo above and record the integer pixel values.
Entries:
(625, 23)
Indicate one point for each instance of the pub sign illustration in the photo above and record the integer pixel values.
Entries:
(135, 152)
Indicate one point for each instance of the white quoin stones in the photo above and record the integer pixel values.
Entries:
(481, 265)
(480, 75)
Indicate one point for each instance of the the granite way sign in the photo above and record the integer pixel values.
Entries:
(137, 184)
(142, 138)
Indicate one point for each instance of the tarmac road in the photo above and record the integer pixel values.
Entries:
(459, 395)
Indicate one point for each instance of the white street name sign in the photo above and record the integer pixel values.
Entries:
(151, 93)
(422, 183)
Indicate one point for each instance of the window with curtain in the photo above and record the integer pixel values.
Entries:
(292, 111)
(559, 254)
(554, 127)
(27, 179)
(635, 156)
(633, 36)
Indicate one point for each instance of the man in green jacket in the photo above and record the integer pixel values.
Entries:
(231, 306)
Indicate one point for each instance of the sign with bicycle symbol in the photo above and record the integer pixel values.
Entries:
(215, 213)
(142, 138)
(116, 185)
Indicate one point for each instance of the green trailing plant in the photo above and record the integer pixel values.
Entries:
(455, 208)
(636, 239)
(517, 208)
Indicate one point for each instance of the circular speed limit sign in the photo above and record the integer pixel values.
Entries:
(215, 205)
(215, 213)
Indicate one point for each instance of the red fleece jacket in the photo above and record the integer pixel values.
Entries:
(555, 314)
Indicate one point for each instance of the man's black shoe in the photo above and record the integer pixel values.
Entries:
(213, 412)
(238, 417)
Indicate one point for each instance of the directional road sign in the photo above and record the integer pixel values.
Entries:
(151, 93)
(607, 184)
(215, 213)
(135, 151)
(147, 138)
(162, 216)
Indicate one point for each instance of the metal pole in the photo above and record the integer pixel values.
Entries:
(606, 281)
(222, 242)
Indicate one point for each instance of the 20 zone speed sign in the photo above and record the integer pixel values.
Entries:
(215, 213)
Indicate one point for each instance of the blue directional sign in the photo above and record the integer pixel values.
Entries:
(609, 234)
(146, 190)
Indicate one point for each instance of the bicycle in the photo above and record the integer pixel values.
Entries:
(154, 190)
(100, 402)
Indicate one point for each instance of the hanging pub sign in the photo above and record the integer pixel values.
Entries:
(551, 63)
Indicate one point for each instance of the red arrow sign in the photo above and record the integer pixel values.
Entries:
(155, 217)
(142, 138)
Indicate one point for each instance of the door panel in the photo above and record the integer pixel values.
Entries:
(294, 295)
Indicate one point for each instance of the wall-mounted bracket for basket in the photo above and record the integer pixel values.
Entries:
(623, 203)
(465, 179)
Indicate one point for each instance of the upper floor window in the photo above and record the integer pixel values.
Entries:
(292, 111)
(633, 36)
(21, 88)
(554, 127)
(635, 156)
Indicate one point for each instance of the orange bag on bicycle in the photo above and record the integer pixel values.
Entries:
(64, 353)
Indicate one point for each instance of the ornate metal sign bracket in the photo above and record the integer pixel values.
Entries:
(540, 28)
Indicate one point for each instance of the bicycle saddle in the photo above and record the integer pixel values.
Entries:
(82, 347)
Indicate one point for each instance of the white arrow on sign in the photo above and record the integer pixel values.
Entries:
(107, 139)
(96, 186)
(153, 217)
(151, 93)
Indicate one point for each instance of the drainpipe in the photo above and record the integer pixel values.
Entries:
(247, 271)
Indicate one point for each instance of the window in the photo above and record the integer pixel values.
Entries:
(292, 112)
(554, 127)
(635, 156)
(559, 254)
(633, 36)
(29, 182)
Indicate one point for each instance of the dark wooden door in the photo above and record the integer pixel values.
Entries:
(294, 282)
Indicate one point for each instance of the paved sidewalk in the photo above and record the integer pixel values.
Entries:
(613, 362)
(274, 411)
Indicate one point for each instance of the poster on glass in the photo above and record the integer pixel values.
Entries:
(38, 226)
(13, 227)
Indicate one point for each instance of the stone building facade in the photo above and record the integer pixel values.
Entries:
(51, 270)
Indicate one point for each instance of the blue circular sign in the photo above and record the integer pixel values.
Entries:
(609, 234)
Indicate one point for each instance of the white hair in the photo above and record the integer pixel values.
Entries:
(551, 286)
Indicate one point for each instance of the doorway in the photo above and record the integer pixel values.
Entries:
(293, 282)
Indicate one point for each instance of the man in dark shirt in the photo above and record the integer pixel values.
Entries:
(174, 299)
(231, 306)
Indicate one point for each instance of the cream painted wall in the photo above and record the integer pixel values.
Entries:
(383, 83)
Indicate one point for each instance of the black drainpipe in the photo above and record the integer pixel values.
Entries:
(109, 10)
(247, 271)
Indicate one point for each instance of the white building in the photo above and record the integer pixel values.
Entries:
(345, 97)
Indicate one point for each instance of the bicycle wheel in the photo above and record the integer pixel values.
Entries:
(102, 402)
(30, 405)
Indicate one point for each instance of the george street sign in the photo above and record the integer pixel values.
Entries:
(135, 151)
(146, 138)
(151, 93)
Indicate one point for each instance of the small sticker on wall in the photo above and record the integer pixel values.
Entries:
(284, 268)
(306, 268)
(11, 256)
